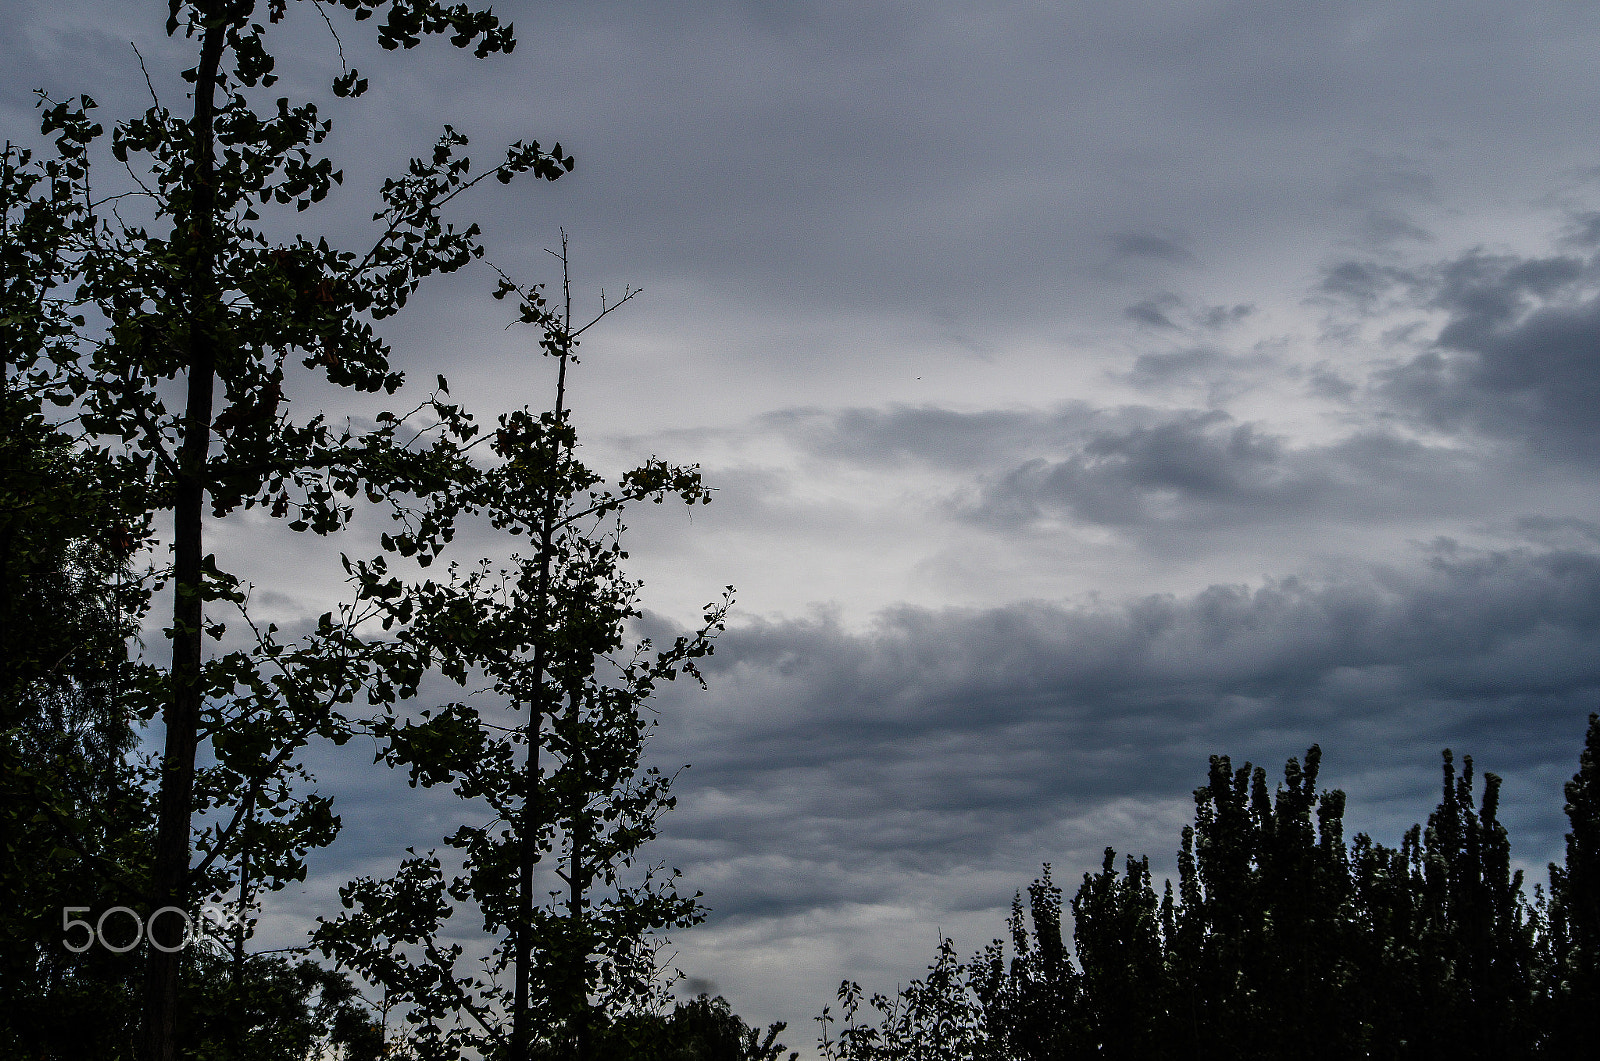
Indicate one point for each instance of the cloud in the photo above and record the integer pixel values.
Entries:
(1517, 357)
(1126, 477)
(1381, 190)
(1361, 282)
(1152, 312)
(1170, 312)
(828, 203)
(1192, 468)
(929, 434)
(1219, 375)
(831, 765)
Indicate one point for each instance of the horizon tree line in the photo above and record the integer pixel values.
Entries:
(1280, 939)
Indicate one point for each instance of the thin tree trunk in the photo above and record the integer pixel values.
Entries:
(521, 1018)
(578, 885)
(169, 883)
(521, 1023)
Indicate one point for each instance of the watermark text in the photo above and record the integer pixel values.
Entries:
(78, 934)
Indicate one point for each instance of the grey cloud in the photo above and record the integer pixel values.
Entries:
(832, 766)
(1158, 369)
(1152, 312)
(1518, 356)
(1146, 470)
(1380, 190)
(1219, 373)
(1203, 468)
(839, 155)
(1386, 178)
(1201, 458)
(844, 760)
(1361, 282)
(1560, 532)
(1168, 311)
(1222, 316)
(1382, 227)
(1583, 230)
(1324, 382)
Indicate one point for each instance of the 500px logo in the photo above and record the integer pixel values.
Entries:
(221, 918)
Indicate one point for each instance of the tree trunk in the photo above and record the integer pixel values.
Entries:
(169, 883)
(578, 875)
(521, 1019)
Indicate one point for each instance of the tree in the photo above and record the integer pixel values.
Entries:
(1477, 931)
(1280, 939)
(72, 812)
(1030, 1006)
(200, 293)
(702, 1029)
(549, 634)
(284, 1008)
(70, 803)
(1128, 1006)
(934, 1018)
(1574, 930)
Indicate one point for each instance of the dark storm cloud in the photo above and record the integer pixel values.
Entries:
(1517, 357)
(841, 760)
(1203, 470)
(1381, 190)
(1222, 316)
(1155, 370)
(843, 155)
(1361, 282)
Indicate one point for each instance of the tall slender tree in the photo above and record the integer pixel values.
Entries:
(561, 778)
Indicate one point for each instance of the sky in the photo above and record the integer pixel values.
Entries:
(1088, 388)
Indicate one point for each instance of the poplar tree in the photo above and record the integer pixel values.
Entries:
(1574, 931)
(1282, 940)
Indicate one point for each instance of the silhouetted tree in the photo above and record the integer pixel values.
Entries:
(562, 776)
(1574, 930)
(703, 1029)
(935, 1018)
(1281, 940)
(1031, 1006)
(192, 289)
(73, 814)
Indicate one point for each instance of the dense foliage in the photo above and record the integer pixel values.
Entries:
(1280, 938)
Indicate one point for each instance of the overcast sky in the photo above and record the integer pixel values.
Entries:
(1089, 388)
